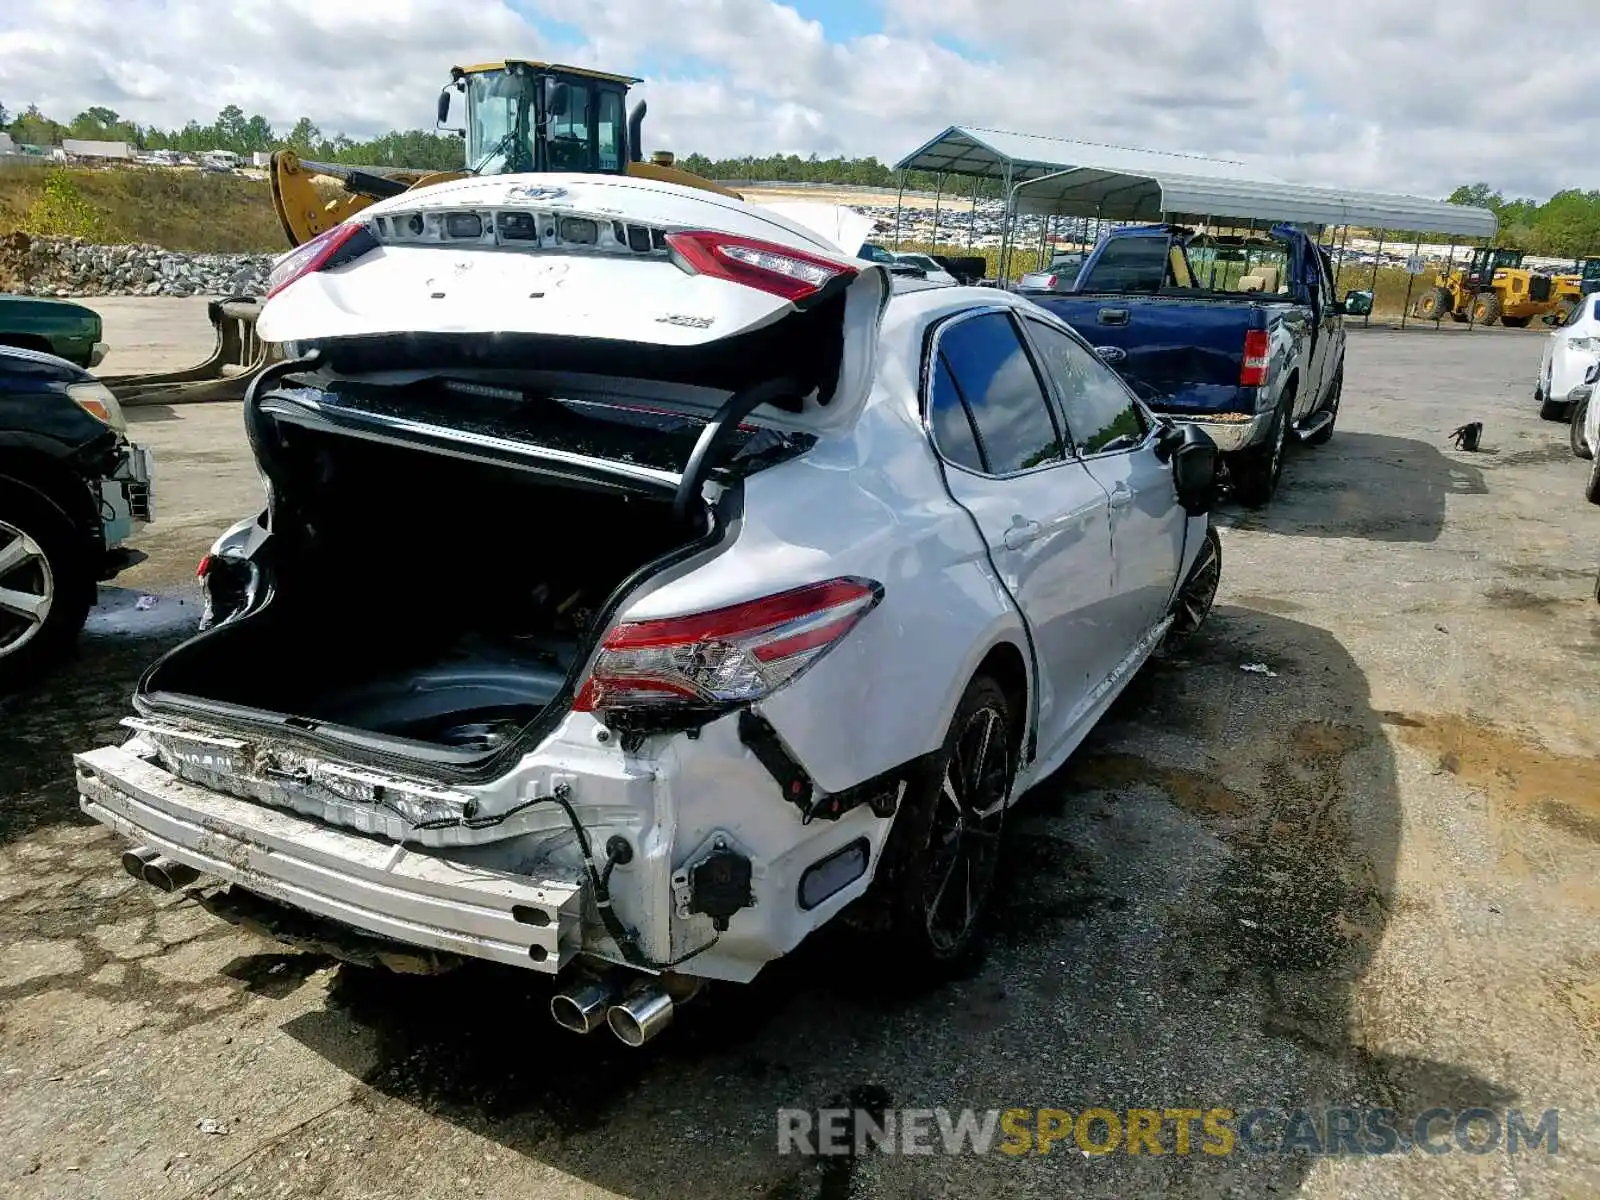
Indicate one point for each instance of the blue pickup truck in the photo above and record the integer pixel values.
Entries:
(1242, 336)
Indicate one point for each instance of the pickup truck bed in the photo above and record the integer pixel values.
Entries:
(1253, 367)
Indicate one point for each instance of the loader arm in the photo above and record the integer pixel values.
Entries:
(303, 212)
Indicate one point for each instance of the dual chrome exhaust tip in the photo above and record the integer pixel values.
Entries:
(636, 1017)
(160, 872)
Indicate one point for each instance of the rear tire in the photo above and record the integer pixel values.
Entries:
(1486, 308)
(1256, 471)
(938, 870)
(1575, 430)
(47, 583)
(1198, 592)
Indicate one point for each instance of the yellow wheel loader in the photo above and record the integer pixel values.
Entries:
(519, 117)
(1493, 288)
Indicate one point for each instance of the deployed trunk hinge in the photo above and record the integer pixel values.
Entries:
(718, 430)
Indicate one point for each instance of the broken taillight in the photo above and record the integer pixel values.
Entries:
(792, 274)
(1257, 354)
(726, 656)
(340, 245)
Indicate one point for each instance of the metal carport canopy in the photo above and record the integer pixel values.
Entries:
(1120, 184)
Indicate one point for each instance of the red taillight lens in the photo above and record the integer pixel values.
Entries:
(340, 245)
(726, 656)
(1257, 353)
(792, 274)
(204, 569)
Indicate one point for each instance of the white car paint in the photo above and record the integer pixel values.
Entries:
(930, 269)
(1569, 351)
(1069, 567)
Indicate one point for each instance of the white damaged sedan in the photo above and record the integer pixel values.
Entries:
(644, 582)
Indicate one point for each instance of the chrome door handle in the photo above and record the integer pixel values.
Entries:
(1021, 533)
(1121, 497)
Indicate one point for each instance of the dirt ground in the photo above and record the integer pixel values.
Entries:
(1367, 877)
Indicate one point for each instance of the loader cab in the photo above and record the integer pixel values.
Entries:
(1486, 260)
(527, 116)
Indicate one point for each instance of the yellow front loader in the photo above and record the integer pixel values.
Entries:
(519, 117)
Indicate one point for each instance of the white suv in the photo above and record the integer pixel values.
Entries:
(644, 581)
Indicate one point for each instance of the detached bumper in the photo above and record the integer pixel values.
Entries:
(1230, 433)
(126, 497)
(374, 886)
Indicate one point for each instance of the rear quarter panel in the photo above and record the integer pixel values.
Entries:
(870, 504)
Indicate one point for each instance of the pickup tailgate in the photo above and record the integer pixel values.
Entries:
(1180, 353)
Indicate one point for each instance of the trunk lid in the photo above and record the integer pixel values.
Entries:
(535, 261)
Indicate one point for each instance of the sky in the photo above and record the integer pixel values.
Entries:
(1375, 94)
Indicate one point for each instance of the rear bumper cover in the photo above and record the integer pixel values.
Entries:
(1231, 433)
(366, 883)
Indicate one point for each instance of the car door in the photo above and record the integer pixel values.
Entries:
(1331, 336)
(1114, 439)
(1042, 515)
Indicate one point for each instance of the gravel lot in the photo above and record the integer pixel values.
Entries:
(1368, 878)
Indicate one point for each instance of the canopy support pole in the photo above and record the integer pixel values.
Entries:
(1366, 321)
(938, 195)
(898, 201)
(1405, 307)
(972, 213)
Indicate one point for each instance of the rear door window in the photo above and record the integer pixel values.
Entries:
(986, 364)
(1133, 264)
(1100, 412)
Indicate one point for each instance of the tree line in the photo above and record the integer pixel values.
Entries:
(1565, 225)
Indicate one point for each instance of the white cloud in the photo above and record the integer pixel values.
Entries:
(1366, 93)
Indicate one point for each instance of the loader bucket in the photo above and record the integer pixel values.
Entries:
(238, 357)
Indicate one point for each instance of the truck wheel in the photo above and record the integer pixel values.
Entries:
(1591, 490)
(1331, 407)
(1486, 308)
(1255, 471)
(1433, 304)
(939, 861)
(1575, 430)
(46, 583)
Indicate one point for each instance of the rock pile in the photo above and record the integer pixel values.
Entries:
(45, 266)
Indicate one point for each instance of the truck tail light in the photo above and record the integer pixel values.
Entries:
(1257, 353)
(792, 274)
(340, 245)
(727, 656)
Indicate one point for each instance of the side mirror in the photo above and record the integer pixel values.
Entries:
(1168, 438)
(444, 107)
(1357, 304)
(1194, 470)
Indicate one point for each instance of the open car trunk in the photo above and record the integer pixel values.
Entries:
(426, 591)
